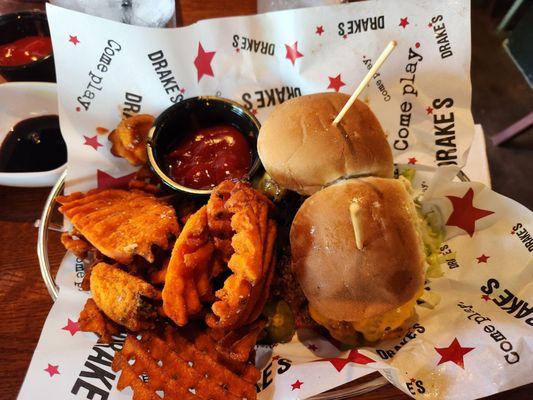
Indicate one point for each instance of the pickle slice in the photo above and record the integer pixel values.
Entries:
(280, 326)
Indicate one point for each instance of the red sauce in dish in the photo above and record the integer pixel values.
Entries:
(206, 157)
(25, 50)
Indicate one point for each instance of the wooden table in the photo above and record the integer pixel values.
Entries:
(23, 297)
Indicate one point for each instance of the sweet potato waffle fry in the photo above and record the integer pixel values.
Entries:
(175, 367)
(209, 343)
(129, 138)
(240, 300)
(146, 181)
(92, 319)
(73, 242)
(188, 274)
(227, 244)
(126, 299)
(233, 230)
(238, 344)
(121, 223)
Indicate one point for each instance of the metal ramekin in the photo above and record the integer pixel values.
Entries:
(194, 113)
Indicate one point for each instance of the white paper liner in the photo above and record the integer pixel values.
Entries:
(454, 350)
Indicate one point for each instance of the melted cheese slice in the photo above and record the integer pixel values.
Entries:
(372, 329)
(376, 328)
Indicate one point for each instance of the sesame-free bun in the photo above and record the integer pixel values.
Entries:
(340, 280)
(302, 151)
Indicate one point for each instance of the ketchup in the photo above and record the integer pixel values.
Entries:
(206, 157)
(25, 50)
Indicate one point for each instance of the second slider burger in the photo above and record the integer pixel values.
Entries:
(358, 253)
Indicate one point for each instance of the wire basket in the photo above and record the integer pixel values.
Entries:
(345, 391)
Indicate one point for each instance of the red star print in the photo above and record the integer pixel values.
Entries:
(335, 83)
(319, 30)
(417, 45)
(52, 370)
(92, 141)
(430, 25)
(454, 353)
(275, 358)
(482, 259)
(296, 385)
(78, 109)
(202, 62)
(312, 347)
(464, 213)
(344, 36)
(429, 110)
(182, 90)
(71, 326)
(292, 52)
(412, 160)
(238, 50)
(104, 180)
(413, 380)
(403, 22)
(74, 40)
(353, 357)
(485, 297)
(254, 111)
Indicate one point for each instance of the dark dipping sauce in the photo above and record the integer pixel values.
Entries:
(206, 157)
(33, 145)
(25, 50)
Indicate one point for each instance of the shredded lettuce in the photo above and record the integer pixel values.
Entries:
(432, 240)
(430, 228)
(447, 257)
(429, 299)
(409, 174)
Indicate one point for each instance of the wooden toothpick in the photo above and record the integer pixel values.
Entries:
(356, 223)
(381, 59)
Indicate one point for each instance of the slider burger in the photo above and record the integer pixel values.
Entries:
(360, 250)
(358, 254)
(302, 151)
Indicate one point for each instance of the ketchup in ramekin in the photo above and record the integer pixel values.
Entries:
(199, 142)
(206, 157)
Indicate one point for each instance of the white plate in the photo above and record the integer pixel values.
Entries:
(19, 101)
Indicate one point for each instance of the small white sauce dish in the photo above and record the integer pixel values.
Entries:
(20, 101)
